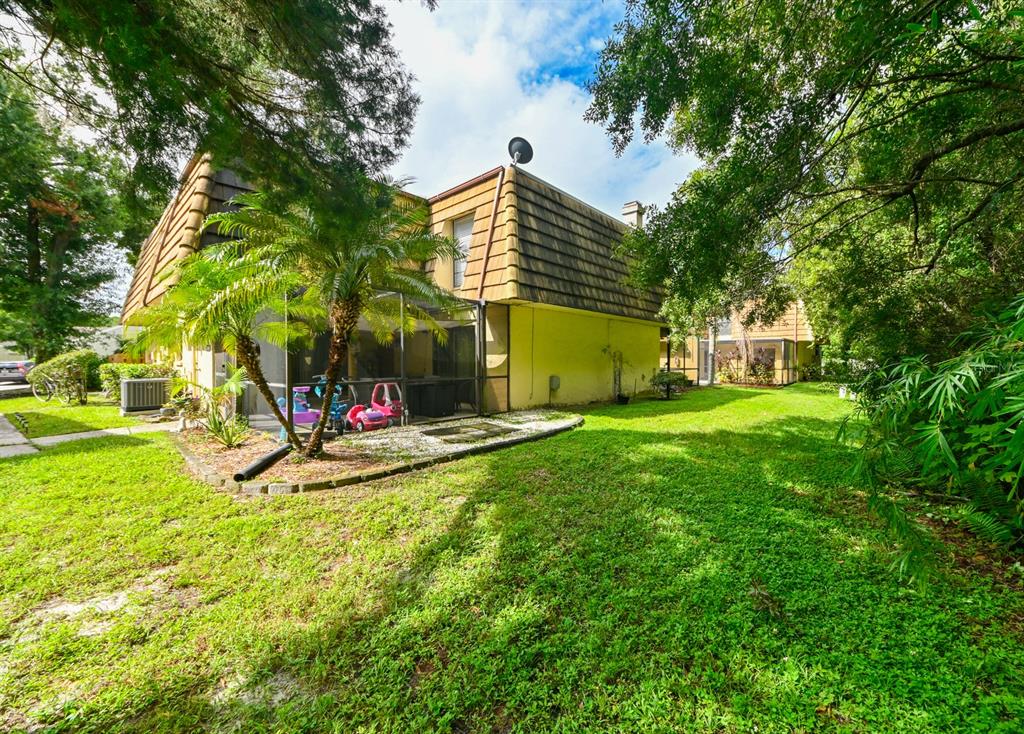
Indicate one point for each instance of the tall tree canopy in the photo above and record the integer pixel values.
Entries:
(869, 154)
(60, 215)
(298, 93)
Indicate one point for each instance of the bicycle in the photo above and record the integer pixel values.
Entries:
(46, 389)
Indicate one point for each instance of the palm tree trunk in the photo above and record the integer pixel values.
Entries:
(249, 357)
(344, 319)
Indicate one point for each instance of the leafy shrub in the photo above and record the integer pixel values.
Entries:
(229, 432)
(955, 429)
(71, 374)
(111, 374)
(841, 369)
(674, 381)
(186, 405)
(761, 370)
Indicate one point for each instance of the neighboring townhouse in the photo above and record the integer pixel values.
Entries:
(787, 345)
(546, 305)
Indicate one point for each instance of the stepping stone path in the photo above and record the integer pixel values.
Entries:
(13, 443)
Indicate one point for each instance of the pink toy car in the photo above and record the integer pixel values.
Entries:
(363, 417)
(387, 399)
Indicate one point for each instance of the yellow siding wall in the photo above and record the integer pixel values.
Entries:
(805, 354)
(684, 358)
(571, 344)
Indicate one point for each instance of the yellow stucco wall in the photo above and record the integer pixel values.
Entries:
(572, 344)
(201, 366)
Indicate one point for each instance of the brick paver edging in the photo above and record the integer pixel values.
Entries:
(206, 473)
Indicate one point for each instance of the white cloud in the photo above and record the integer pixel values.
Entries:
(487, 71)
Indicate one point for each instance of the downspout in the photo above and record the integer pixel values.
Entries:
(401, 362)
(668, 363)
(490, 233)
(712, 347)
(288, 400)
(479, 369)
(796, 341)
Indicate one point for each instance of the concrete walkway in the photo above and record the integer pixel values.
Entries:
(125, 431)
(12, 443)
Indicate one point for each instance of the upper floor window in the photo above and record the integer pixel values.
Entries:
(724, 327)
(462, 231)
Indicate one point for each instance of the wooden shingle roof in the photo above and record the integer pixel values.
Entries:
(568, 254)
(202, 190)
(548, 247)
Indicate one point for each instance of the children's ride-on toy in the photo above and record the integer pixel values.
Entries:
(344, 397)
(387, 399)
(359, 416)
(302, 414)
(363, 418)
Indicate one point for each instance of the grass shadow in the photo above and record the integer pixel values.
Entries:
(664, 573)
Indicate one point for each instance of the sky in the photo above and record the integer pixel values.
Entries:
(490, 70)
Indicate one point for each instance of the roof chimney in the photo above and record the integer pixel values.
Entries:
(633, 213)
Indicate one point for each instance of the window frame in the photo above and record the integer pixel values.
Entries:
(459, 265)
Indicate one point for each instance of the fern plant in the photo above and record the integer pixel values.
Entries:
(954, 429)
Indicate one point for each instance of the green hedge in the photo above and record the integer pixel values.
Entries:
(71, 373)
(673, 380)
(112, 373)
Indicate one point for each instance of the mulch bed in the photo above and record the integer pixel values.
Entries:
(337, 459)
(359, 457)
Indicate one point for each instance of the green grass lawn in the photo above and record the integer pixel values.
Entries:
(52, 418)
(696, 566)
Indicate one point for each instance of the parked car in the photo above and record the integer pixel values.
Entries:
(15, 371)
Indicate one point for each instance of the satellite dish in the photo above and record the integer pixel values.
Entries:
(520, 150)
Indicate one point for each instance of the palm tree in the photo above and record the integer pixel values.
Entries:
(207, 305)
(359, 265)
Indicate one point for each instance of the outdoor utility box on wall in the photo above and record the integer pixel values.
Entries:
(554, 382)
(144, 394)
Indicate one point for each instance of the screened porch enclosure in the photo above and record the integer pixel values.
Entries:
(768, 362)
(462, 372)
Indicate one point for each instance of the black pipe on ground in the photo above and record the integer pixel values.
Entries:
(263, 463)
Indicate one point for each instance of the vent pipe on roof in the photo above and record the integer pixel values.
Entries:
(633, 213)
